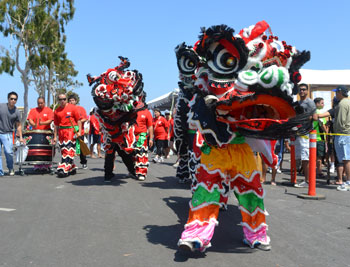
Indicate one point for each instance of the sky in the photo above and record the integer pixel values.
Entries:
(148, 31)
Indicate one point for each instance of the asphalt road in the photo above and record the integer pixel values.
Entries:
(82, 221)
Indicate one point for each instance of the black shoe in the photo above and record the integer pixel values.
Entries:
(73, 172)
(108, 177)
(62, 174)
(84, 166)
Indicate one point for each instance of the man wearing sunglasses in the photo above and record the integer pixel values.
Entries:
(9, 117)
(65, 117)
(302, 142)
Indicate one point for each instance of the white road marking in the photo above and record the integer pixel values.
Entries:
(4, 209)
(59, 187)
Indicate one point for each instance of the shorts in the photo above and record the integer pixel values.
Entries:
(342, 147)
(302, 148)
(321, 149)
(96, 139)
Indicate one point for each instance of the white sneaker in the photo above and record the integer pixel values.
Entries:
(344, 187)
(141, 178)
(279, 170)
(302, 185)
(176, 164)
(332, 169)
(155, 160)
(161, 159)
(12, 172)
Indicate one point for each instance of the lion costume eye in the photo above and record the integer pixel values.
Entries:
(187, 61)
(222, 61)
(187, 64)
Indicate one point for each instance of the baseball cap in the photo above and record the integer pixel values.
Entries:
(341, 89)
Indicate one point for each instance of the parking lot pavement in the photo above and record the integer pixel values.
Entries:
(82, 221)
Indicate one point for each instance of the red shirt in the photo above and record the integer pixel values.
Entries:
(43, 114)
(61, 114)
(94, 125)
(83, 116)
(144, 120)
(171, 128)
(160, 126)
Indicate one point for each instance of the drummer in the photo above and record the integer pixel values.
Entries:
(40, 118)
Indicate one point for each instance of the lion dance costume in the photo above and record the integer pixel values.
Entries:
(241, 90)
(118, 94)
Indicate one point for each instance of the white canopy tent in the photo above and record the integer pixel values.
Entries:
(320, 81)
(325, 77)
(164, 102)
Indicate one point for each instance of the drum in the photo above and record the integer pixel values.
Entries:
(39, 144)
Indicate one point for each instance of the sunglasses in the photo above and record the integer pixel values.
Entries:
(62, 99)
(13, 99)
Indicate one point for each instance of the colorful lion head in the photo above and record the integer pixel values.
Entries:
(118, 89)
(248, 80)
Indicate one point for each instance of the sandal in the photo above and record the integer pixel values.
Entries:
(273, 183)
(336, 182)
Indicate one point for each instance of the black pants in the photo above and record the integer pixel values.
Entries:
(126, 158)
(83, 159)
(161, 145)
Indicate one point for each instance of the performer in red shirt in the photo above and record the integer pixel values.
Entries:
(95, 135)
(72, 99)
(40, 117)
(65, 117)
(143, 127)
(170, 120)
(160, 128)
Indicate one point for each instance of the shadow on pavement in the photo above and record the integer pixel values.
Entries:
(99, 180)
(97, 169)
(167, 182)
(227, 237)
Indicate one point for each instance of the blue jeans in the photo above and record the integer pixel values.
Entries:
(6, 142)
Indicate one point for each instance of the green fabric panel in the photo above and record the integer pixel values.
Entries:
(250, 201)
(142, 138)
(77, 144)
(65, 127)
(238, 140)
(201, 195)
(205, 148)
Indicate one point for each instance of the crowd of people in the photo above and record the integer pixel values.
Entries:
(156, 134)
(67, 123)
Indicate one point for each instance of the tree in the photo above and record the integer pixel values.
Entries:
(37, 29)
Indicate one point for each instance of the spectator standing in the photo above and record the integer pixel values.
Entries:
(95, 135)
(170, 120)
(65, 117)
(160, 126)
(72, 99)
(319, 126)
(143, 130)
(342, 126)
(40, 118)
(9, 117)
(302, 142)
